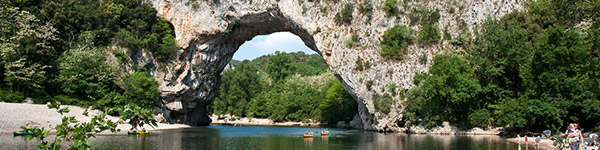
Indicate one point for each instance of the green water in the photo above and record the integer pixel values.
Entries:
(278, 138)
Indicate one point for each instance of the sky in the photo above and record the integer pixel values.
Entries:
(268, 44)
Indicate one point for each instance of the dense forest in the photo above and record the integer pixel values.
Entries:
(57, 51)
(284, 87)
(533, 70)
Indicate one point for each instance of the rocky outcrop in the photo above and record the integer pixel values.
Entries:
(210, 32)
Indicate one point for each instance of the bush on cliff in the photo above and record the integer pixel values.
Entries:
(395, 42)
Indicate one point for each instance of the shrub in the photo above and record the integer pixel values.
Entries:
(229, 28)
(120, 55)
(390, 7)
(352, 41)
(480, 118)
(359, 64)
(423, 14)
(11, 96)
(366, 8)
(395, 41)
(429, 33)
(369, 84)
(383, 104)
(345, 15)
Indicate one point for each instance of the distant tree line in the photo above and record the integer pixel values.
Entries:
(284, 87)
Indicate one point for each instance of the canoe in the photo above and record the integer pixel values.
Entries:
(324, 133)
(22, 133)
(135, 132)
(308, 135)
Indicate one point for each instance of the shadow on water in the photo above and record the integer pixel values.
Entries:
(269, 137)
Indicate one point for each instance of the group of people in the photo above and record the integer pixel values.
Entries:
(573, 138)
(309, 132)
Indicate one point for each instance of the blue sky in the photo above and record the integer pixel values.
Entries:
(268, 44)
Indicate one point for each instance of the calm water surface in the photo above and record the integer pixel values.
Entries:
(279, 138)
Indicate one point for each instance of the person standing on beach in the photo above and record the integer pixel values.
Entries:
(574, 137)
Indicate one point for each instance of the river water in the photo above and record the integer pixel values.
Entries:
(279, 138)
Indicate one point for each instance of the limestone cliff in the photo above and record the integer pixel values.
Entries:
(189, 81)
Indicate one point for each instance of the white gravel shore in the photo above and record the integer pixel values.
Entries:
(15, 115)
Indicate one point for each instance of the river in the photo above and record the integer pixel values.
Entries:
(279, 138)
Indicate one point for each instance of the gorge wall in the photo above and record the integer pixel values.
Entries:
(188, 82)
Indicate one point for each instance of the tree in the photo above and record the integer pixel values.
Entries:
(24, 44)
(280, 66)
(83, 72)
(445, 93)
(141, 90)
(338, 104)
(554, 78)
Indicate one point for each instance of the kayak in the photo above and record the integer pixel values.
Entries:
(308, 135)
(135, 132)
(324, 133)
(22, 133)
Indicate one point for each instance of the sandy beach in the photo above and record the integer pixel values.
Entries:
(15, 115)
(544, 144)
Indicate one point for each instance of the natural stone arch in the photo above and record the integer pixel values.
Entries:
(188, 82)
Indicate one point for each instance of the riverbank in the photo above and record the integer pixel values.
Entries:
(245, 121)
(15, 115)
(544, 144)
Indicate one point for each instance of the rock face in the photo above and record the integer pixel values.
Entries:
(188, 83)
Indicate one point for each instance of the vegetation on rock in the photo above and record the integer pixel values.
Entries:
(395, 42)
(528, 70)
(345, 15)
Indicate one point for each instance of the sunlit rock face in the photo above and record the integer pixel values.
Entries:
(189, 81)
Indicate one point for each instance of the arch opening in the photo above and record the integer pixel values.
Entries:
(282, 80)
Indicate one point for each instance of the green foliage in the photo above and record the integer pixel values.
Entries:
(366, 8)
(383, 103)
(229, 28)
(369, 84)
(71, 131)
(390, 7)
(481, 118)
(25, 50)
(108, 20)
(338, 104)
(353, 41)
(446, 93)
(11, 96)
(53, 50)
(140, 89)
(345, 15)
(535, 70)
(280, 66)
(395, 42)
(422, 14)
(83, 72)
(137, 116)
(257, 89)
(429, 33)
(359, 64)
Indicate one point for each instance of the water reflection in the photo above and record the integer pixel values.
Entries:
(254, 137)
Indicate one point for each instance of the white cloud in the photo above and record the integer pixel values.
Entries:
(280, 41)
